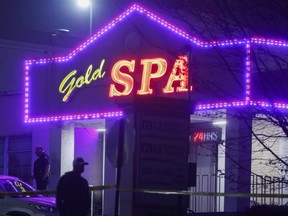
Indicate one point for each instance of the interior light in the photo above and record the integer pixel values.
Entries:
(101, 129)
(219, 122)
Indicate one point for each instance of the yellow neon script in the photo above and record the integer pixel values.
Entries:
(70, 82)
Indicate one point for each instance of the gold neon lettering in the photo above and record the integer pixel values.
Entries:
(122, 78)
(69, 87)
(70, 82)
(79, 82)
(148, 75)
(180, 67)
(87, 75)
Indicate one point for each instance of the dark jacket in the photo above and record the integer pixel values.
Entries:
(72, 195)
(40, 166)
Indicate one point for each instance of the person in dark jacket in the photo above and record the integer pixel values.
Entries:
(41, 169)
(72, 192)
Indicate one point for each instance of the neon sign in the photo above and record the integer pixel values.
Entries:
(179, 74)
(206, 136)
(70, 82)
(31, 112)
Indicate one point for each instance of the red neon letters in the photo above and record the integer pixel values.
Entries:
(179, 73)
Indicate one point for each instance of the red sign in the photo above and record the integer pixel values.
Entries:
(178, 74)
(205, 136)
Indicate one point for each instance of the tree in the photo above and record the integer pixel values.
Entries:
(213, 20)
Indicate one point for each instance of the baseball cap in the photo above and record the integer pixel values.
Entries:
(79, 161)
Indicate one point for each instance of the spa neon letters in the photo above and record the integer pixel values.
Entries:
(178, 74)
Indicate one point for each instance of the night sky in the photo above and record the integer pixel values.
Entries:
(266, 18)
(50, 15)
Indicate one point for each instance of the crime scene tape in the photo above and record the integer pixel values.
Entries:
(153, 191)
(189, 193)
(103, 187)
(47, 192)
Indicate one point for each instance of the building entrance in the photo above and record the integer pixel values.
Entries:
(204, 153)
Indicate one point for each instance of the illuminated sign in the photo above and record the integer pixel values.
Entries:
(206, 135)
(50, 81)
(178, 74)
(70, 82)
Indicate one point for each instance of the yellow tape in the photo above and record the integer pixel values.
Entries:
(189, 193)
(154, 191)
(102, 187)
(92, 188)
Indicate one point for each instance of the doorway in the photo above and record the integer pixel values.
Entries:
(89, 142)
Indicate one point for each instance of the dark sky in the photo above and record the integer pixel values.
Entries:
(264, 18)
(49, 15)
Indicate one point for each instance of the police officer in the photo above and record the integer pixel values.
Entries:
(41, 171)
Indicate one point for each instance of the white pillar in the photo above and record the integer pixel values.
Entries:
(238, 159)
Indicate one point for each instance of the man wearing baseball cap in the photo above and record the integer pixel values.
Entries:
(72, 193)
